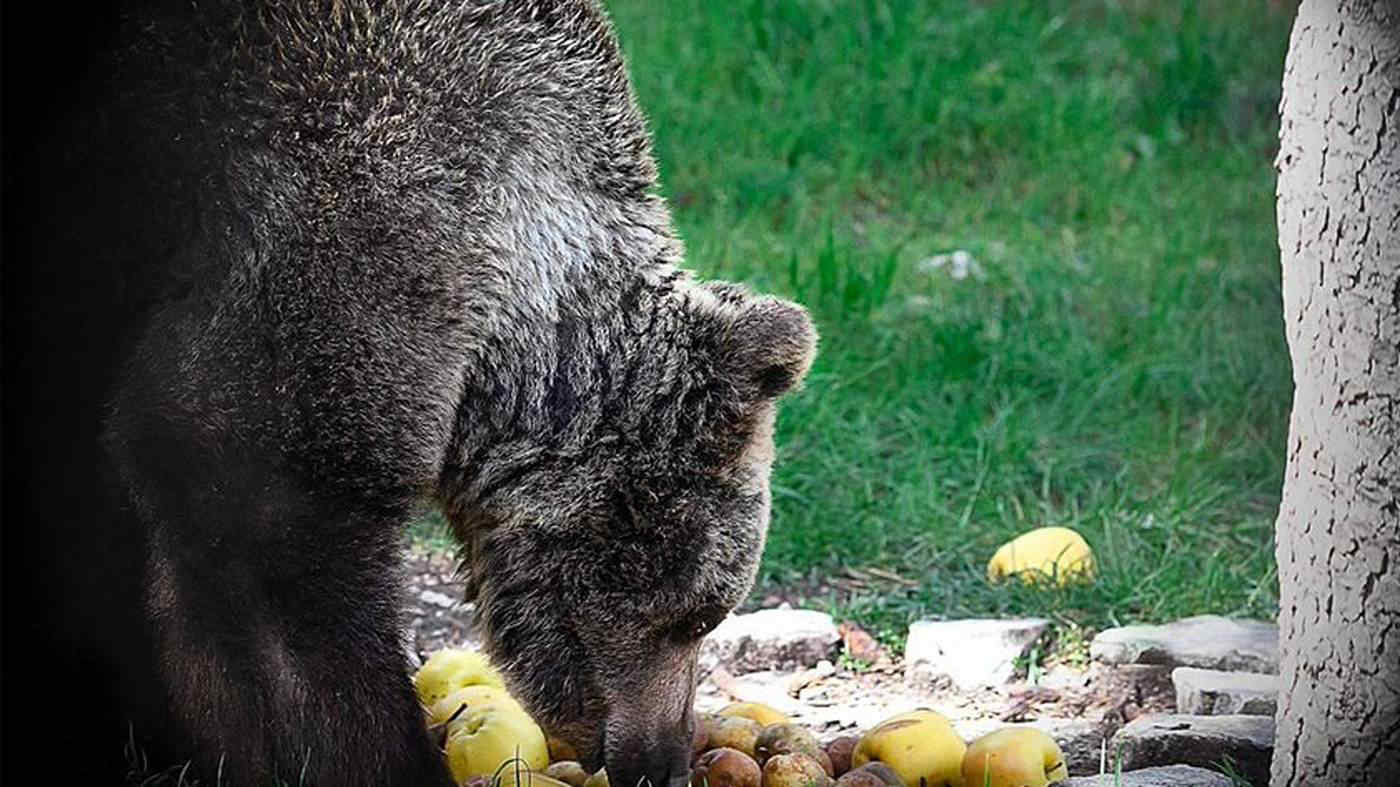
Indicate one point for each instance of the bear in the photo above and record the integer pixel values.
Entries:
(380, 254)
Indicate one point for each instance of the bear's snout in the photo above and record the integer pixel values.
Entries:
(644, 749)
(667, 766)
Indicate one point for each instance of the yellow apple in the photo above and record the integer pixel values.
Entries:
(524, 777)
(453, 668)
(442, 711)
(731, 732)
(763, 714)
(920, 746)
(776, 739)
(1014, 757)
(794, 770)
(1047, 553)
(491, 731)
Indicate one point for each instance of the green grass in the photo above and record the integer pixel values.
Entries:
(1118, 366)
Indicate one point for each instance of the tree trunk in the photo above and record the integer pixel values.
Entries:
(1339, 522)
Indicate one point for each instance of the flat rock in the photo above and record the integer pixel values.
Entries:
(1203, 741)
(770, 639)
(1081, 740)
(1207, 692)
(970, 654)
(1205, 641)
(438, 599)
(1167, 776)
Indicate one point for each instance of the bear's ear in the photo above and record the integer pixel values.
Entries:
(766, 344)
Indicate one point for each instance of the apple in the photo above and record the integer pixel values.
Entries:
(725, 768)
(522, 777)
(838, 750)
(776, 739)
(446, 708)
(794, 770)
(450, 669)
(733, 732)
(763, 714)
(1014, 757)
(490, 732)
(568, 771)
(1048, 553)
(871, 774)
(921, 747)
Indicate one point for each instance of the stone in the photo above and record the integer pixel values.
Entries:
(971, 654)
(1080, 740)
(1203, 741)
(1205, 641)
(437, 599)
(1207, 692)
(1167, 776)
(770, 639)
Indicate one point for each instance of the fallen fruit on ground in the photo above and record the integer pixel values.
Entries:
(1056, 554)
(523, 777)
(442, 710)
(794, 770)
(871, 774)
(560, 749)
(733, 732)
(763, 714)
(599, 779)
(699, 737)
(783, 738)
(859, 778)
(725, 768)
(917, 745)
(450, 669)
(568, 771)
(490, 732)
(838, 750)
(880, 771)
(1014, 757)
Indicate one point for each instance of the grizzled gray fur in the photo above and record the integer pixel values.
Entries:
(424, 262)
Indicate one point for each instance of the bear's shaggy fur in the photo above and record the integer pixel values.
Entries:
(406, 251)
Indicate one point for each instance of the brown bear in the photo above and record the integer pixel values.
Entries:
(397, 252)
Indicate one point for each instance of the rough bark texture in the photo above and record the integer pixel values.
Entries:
(1339, 522)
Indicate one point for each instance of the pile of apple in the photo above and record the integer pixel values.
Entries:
(752, 745)
(486, 735)
(475, 720)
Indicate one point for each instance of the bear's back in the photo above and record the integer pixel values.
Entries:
(378, 190)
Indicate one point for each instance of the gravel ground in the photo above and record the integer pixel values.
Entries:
(830, 699)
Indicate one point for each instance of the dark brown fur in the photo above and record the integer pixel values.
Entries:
(408, 251)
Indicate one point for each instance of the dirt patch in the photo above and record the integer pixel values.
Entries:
(433, 604)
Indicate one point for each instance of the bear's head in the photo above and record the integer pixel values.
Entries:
(602, 554)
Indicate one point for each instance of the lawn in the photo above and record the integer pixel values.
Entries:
(1105, 354)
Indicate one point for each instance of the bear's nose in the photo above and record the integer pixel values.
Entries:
(652, 766)
(661, 775)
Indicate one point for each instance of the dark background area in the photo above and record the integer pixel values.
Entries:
(68, 307)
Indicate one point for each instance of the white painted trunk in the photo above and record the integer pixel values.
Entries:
(1339, 522)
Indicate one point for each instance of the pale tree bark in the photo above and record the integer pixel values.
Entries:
(1339, 522)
